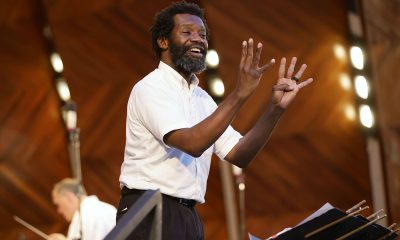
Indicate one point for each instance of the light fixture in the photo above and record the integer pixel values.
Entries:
(69, 115)
(362, 87)
(339, 51)
(366, 116)
(236, 170)
(212, 59)
(357, 57)
(217, 88)
(345, 81)
(63, 89)
(56, 62)
(349, 112)
(355, 24)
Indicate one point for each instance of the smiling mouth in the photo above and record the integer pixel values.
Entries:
(196, 51)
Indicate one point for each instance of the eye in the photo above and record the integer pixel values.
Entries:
(186, 33)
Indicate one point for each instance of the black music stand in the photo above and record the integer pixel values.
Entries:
(369, 232)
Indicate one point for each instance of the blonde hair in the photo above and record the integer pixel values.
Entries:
(71, 185)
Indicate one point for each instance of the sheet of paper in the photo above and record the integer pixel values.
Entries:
(252, 237)
(326, 207)
(279, 233)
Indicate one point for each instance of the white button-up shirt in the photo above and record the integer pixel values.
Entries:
(158, 104)
(97, 219)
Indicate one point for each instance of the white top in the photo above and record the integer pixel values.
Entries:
(98, 218)
(158, 104)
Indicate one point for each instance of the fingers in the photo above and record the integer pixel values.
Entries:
(249, 58)
(291, 68)
(301, 71)
(290, 87)
(290, 71)
(256, 58)
(244, 53)
(305, 83)
(263, 68)
(282, 68)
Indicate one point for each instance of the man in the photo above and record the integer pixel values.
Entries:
(91, 219)
(173, 126)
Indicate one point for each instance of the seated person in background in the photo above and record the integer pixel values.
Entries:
(90, 218)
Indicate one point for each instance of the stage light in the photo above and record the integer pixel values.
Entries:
(56, 62)
(355, 24)
(212, 59)
(339, 51)
(362, 87)
(366, 116)
(349, 112)
(345, 81)
(70, 115)
(237, 170)
(357, 57)
(63, 89)
(217, 87)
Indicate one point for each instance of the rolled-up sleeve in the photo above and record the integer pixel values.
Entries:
(226, 142)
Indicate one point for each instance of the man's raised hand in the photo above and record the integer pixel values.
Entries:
(288, 86)
(249, 72)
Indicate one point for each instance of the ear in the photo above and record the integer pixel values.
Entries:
(163, 43)
(69, 195)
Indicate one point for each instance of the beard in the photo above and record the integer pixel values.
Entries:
(183, 61)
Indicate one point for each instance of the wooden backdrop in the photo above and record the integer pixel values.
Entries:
(316, 155)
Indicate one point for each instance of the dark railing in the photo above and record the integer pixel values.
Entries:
(143, 206)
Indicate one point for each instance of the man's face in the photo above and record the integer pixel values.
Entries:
(188, 44)
(66, 203)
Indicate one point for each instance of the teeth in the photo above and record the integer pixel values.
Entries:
(196, 50)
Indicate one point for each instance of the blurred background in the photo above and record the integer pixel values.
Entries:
(67, 68)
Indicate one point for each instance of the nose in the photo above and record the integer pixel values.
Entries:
(196, 37)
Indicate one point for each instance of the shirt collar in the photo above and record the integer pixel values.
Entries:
(177, 78)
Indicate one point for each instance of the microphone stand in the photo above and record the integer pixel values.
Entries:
(240, 182)
(74, 152)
